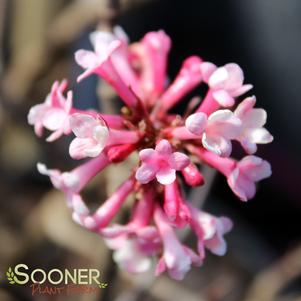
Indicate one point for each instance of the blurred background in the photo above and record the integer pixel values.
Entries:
(37, 41)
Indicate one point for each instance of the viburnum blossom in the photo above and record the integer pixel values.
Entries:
(169, 147)
(53, 113)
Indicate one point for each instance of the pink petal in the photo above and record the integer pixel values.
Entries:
(207, 223)
(254, 118)
(164, 148)
(236, 77)
(244, 188)
(55, 135)
(121, 34)
(188, 78)
(223, 98)
(86, 59)
(196, 123)
(207, 69)
(178, 161)
(260, 136)
(242, 90)
(161, 267)
(101, 41)
(195, 258)
(218, 78)
(217, 245)
(101, 135)
(84, 147)
(166, 175)
(145, 173)
(36, 113)
(147, 155)
(223, 123)
(54, 119)
(82, 125)
(245, 106)
(131, 259)
(255, 168)
(116, 243)
(248, 146)
(217, 144)
(115, 230)
(226, 223)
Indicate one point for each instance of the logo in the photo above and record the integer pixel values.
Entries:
(56, 281)
(10, 276)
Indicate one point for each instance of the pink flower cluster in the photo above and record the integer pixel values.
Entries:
(171, 149)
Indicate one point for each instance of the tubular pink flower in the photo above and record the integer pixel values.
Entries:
(119, 153)
(139, 222)
(53, 114)
(104, 214)
(165, 142)
(227, 83)
(174, 207)
(215, 132)
(143, 210)
(100, 63)
(188, 78)
(192, 176)
(140, 219)
(133, 250)
(222, 126)
(196, 123)
(209, 105)
(101, 41)
(242, 175)
(161, 163)
(207, 69)
(130, 258)
(176, 258)
(136, 241)
(75, 180)
(210, 230)
(152, 52)
(247, 172)
(252, 130)
(223, 165)
(92, 136)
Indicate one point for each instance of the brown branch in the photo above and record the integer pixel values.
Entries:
(272, 280)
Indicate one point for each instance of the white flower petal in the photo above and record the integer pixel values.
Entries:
(218, 78)
(84, 147)
(223, 98)
(83, 125)
(166, 176)
(217, 144)
(196, 123)
(54, 119)
(178, 160)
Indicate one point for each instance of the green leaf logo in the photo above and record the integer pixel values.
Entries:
(103, 285)
(10, 276)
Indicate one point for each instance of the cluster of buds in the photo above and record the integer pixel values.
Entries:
(171, 149)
